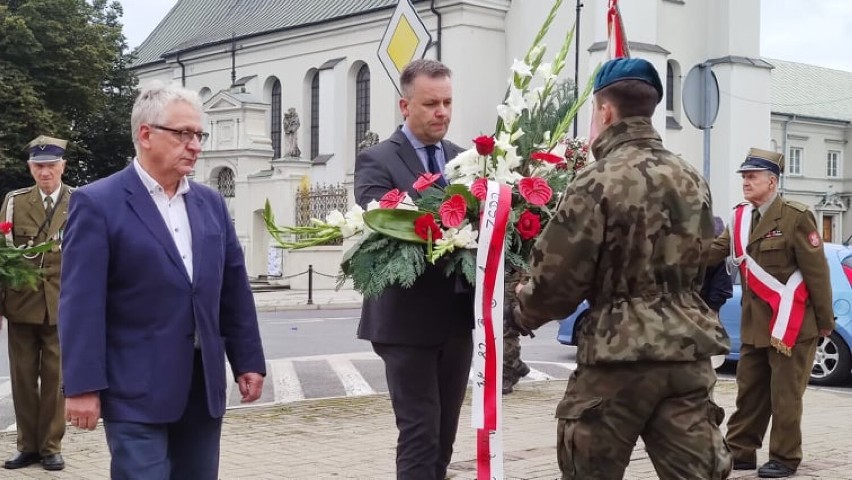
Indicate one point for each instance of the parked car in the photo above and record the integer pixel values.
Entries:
(833, 362)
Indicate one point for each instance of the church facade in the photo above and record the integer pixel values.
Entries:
(259, 64)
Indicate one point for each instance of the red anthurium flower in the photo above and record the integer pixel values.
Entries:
(479, 188)
(6, 228)
(529, 224)
(535, 190)
(452, 211)
(425, 181)
(425, 224)
(392, 199)
(546, 157)
(484, 144)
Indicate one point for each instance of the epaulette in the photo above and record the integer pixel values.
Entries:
(19, 191)
(796, 205)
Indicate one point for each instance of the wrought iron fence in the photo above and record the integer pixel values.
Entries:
(317, 201)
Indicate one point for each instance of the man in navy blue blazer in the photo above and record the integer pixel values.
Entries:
(154, 295)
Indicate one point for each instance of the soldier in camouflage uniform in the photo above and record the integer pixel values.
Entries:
(631, 236)
(513, 367)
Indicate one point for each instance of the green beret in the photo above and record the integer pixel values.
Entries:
(624, 68)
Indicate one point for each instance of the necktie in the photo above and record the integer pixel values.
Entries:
(48, 207)
(433, 164)
(755, 218)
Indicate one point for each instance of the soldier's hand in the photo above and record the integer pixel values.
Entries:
(83, 411)
(824, 332)
(518, 320)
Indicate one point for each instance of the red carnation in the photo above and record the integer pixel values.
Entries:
(426, 224)
(535, 190)
(425, 181)
(452, 211)
(529, 224)
(479, 188)
(484, 144)
(392, 199)
(6, 228)
(546, 157)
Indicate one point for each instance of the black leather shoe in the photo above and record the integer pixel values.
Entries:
(54, 461)
(744, 465)
(775, 469)
(524, 370)
(21, 460)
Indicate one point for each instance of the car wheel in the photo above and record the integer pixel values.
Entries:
(832, 361)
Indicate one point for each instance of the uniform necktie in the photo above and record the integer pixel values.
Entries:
(433, 164)
(48, 207)
(755, 218)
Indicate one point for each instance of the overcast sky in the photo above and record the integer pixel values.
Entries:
(807, 31)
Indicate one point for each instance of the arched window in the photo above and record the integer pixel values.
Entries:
(275, 119)
(669, 87)
(225, 182)
(362, 104)
(315, 117)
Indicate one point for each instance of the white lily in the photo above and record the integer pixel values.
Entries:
(521, 68)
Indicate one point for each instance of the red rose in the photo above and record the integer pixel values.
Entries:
(425, 181)
(392, 199)
(426, 224)
(535, 190)
(452, 211)
(6, 228)
(479, 188)
(484, 144)
(529, 224)
(546, 157)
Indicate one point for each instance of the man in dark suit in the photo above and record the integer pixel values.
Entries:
(37, 214)
(155, 293)
(422, 333)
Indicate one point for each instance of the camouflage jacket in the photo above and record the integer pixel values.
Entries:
(631, 236)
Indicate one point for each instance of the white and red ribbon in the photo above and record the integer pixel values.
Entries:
(488, 334)
(786, 300)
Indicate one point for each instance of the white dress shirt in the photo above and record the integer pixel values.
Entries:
(54, 196)
(173, 211)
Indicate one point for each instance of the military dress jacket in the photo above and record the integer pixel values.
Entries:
(29, 223)
(631, 236)
(785, 239)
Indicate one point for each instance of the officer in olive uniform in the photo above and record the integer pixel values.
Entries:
(38, 214)
(631, 236)
(771, 378)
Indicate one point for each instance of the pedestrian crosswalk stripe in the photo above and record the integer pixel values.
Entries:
(285, 382)
(537, 375)
(353, 381)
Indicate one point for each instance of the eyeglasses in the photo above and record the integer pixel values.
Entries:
(185, 135)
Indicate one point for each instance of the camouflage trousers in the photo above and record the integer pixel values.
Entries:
(606, 409)
(513, 367)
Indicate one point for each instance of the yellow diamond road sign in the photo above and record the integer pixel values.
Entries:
(405, 39)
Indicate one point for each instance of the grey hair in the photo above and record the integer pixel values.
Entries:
(423, 66)
(150, 106)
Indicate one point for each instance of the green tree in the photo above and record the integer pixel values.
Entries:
(63, 73)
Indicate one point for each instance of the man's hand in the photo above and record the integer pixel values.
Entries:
(83, 411)
(824, 332)
(251, 386)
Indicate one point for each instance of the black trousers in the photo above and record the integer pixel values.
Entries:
(427, 387)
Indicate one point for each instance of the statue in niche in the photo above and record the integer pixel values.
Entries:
(291, 126)
(370, 139)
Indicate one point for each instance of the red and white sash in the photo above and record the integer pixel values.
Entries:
(486, 414)
(787, 300)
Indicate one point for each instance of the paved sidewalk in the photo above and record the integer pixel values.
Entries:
(285, 299)
(354, 438)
